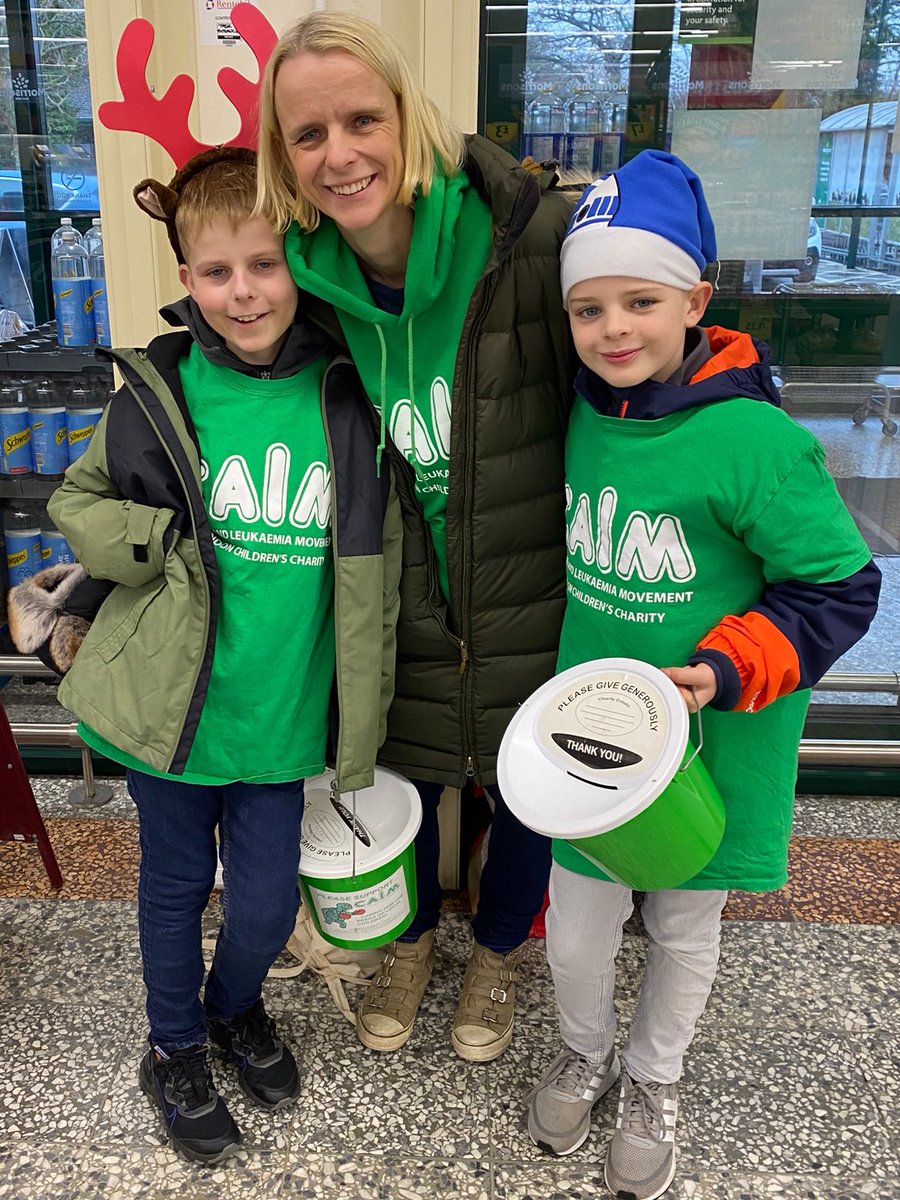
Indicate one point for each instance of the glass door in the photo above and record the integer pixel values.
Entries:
(788, 112)
(47, 163)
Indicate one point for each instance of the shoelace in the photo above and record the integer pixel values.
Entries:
(256, 1033)
(190, 1077)
(570, 1075)
(642, 1112)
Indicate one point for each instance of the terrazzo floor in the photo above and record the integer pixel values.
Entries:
(791, 1087)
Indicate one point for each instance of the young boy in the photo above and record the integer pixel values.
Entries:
(711, 509)
(206, 497)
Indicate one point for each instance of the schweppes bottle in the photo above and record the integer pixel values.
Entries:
(15, 431)
(82, 414)
(22, 534)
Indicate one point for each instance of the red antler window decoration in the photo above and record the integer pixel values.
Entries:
(165, 118)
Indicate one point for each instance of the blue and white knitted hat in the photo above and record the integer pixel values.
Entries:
(648, 220)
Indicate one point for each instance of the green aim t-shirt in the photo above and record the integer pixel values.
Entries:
(267, 489)
(672, 525)
(407, 362)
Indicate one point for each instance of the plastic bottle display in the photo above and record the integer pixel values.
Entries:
(15, 430)
(65, 225)
(543, 133)
(92, 237)
(22, 534)
(54, 547)
(583, 123)
(97, 264)
(49, 431)
(72, 292)
(83, 411)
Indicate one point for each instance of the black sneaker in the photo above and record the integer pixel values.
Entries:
(267, 1071)
(196, 1118)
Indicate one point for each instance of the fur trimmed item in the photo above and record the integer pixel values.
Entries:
(38, 622)
(160, 200)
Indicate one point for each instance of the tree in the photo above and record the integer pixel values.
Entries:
(62, 55)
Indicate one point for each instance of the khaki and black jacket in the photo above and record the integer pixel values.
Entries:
(460, 676)
(132, 509)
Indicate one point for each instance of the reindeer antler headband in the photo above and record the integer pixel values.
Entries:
(164, 119)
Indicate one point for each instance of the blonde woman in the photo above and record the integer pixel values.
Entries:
(434, 257)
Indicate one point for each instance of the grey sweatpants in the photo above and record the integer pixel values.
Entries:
(584, 933)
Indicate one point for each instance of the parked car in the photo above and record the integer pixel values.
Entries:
(74, 188)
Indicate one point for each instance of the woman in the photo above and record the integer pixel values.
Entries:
(434, 257)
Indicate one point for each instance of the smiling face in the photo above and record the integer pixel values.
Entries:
(341, 128)
(629, 330)
(242, 285)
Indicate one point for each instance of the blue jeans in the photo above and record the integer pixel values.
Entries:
(513, 881)
(259, 828)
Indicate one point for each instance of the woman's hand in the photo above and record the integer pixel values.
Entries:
(696, 684)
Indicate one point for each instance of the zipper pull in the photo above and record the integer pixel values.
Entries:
(470, 768)
(464, 657)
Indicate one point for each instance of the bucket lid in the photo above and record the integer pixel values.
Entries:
(388, 816)
(593, 747)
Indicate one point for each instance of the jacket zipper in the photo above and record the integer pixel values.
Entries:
(127, 369)
(464, 614)
(338, 754)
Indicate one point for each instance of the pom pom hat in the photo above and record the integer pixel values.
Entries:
(648, 220)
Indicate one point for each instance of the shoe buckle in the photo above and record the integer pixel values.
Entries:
(381, 981)
(498, 995)
(377, 1002)
(490, 1017)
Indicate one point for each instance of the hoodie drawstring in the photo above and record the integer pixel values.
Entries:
(410, 373)
(412, 393)
(382, 430)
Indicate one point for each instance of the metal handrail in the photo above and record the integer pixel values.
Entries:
(24, 664)
(846, 681)
(821, 752)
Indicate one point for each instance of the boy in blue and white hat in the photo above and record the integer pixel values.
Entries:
(706, 537)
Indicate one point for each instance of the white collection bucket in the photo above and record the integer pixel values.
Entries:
(599, 757)
(358, 880)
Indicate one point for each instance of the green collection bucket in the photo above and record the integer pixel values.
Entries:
(357, 860)
(599, 756)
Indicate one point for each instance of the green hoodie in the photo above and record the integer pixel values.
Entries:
(407, 362)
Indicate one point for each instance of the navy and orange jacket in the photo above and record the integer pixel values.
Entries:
(797, 630)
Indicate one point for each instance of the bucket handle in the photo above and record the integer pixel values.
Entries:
(353, 839)
(334, 793)
(699, 745)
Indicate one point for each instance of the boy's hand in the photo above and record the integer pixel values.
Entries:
(697, 684)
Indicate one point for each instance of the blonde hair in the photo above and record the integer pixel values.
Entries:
(221, 190)
(424, 131)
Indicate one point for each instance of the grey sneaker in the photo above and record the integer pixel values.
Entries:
(559, 1109)
(640, 1161)
(385, 1018)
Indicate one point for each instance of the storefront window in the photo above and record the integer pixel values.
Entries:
(788, 112)
(47, 163)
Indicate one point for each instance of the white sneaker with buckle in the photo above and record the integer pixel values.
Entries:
(483, 1025)
(386, 1016)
